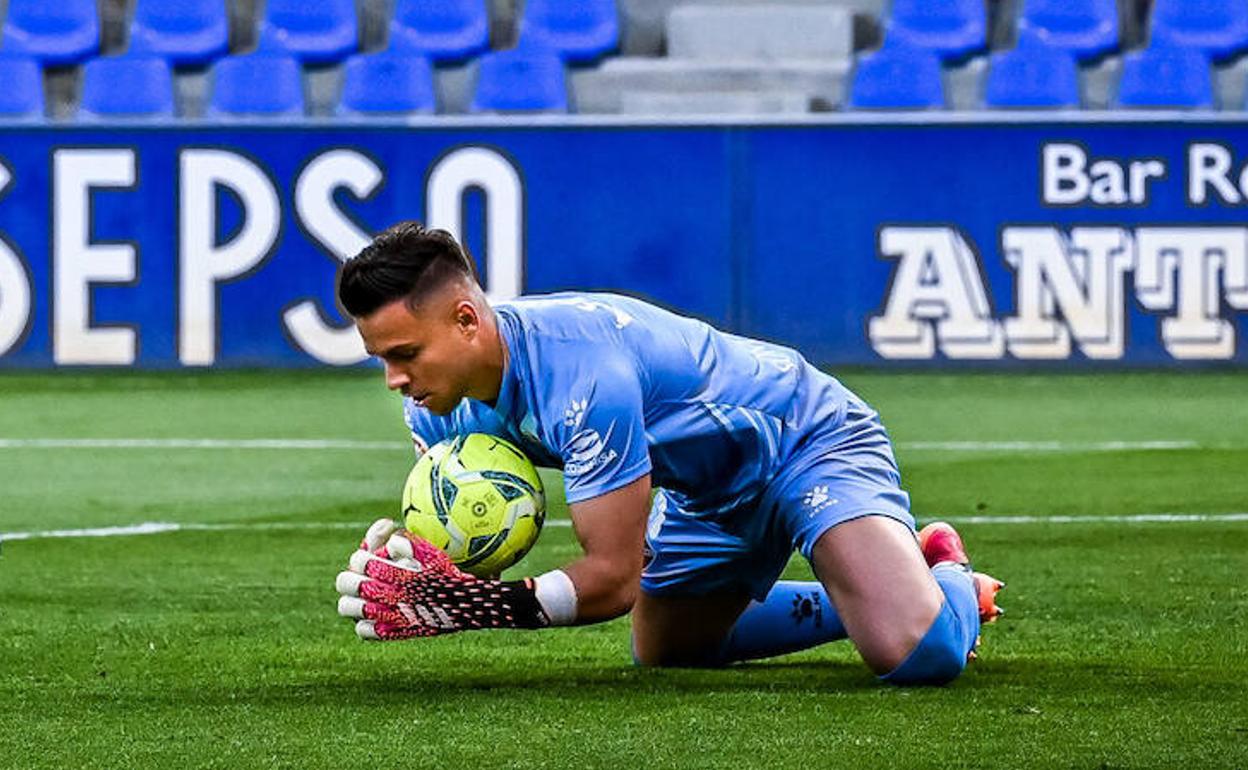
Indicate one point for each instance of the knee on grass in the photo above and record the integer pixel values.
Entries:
(938, 658)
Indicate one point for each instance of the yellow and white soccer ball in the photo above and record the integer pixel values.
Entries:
(478, 498)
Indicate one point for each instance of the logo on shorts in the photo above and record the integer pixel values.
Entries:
(818, 498)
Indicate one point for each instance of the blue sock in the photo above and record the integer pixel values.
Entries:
(795, 615)
(941, 654)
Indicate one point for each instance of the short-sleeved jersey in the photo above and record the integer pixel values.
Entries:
(609, 388)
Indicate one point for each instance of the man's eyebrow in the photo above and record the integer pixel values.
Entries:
(390, 350)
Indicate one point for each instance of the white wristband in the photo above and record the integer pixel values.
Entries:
(557, 595)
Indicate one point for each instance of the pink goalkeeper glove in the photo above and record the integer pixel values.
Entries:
(409, 588)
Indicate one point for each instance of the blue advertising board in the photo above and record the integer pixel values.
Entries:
(947, 242)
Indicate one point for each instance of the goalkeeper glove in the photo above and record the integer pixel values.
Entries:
(409, 588)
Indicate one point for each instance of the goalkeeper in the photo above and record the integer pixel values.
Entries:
(752, 453)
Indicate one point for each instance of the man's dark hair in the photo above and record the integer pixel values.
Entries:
(404, 261)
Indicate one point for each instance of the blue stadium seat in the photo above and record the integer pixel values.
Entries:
(1085, 28)
(261, 84)
(580, 30)
(1217, 27)
(441, 29)
(899, 76)
(22, 95)
(1163, 76)
(185, 32)
(133, 85)
(521, 80)
(57, 32)
(951, 28)
(387, 82)
(1035, 74)
(321, 32)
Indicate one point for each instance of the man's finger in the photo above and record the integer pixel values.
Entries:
(381, 631)
(354, 585)
(366, 630)
(351, 606)
(348, 583)
(378, 533)
(400, 573)
(362, 609)
(404, 547)
(360, 559)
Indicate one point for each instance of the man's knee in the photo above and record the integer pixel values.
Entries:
(889, 646)
(937, 659)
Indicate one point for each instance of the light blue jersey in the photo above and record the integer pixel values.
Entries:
(734, 431)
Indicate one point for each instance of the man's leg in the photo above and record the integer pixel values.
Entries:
(683, 630)
(713, 630)
(912, 624)
(700, 579)
(795, 615)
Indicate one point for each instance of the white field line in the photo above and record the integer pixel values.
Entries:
(200, 443)
(1045, 446)
(161, 527)
(385, 446)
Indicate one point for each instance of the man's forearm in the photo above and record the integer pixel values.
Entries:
(604, 590)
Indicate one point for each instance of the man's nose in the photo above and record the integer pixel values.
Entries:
(396, 378)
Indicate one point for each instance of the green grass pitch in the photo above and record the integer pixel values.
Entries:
(1126, 644)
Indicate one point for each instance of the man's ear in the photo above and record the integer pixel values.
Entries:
(467, 317)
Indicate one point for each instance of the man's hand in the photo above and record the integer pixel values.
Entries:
(402, 587)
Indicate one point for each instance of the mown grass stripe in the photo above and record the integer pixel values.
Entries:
(161, 527)
(389, 446)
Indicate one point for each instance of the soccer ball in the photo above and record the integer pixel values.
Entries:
(478, 498)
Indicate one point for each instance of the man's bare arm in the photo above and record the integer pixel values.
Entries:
(611, 529)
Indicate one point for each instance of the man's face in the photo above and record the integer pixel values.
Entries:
(428, 351)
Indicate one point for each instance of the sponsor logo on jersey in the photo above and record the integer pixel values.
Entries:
(575, 412)
(586, 452)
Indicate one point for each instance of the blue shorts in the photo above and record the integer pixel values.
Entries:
(830, 479)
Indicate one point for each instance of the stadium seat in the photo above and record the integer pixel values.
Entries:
(257, 84)
(580, 30)
(759, 32)
(184, 32)
(1085, 28)
(521, 80)
(22, 95)
(950, 28)
(1166, 77)
(56, 32)
(322, 32)
(1217, 27)
(443, 30)
(898, 76)
(134, 85)
(387, 82)
(1035, 74)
